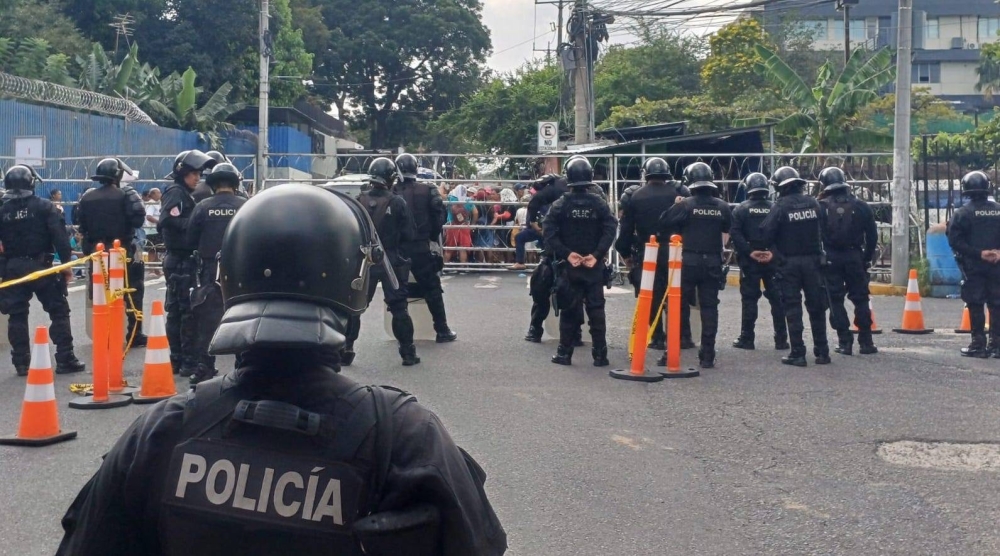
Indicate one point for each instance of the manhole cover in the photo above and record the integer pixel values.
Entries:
(949, 456)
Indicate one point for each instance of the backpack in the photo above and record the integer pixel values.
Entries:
(840, 222)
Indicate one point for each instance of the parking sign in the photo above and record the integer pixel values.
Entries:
(548, 136)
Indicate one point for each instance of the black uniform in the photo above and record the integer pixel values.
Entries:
(793, 231)
(973, 229)
(850, 238)
(747, 238)
(580, 222)
(30, 229)
(205, 230)
(429, 215)
(543, 278)
(151, 493)
(701, 220)
(108, 213)
(179, 269)
(640, 220)
(395, 228)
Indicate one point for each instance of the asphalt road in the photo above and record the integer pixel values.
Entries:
(750, 458)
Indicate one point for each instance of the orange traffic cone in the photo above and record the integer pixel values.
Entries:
(39, 412)
(158, 375)
(913, 312)
(875, 328)
(638, 371)
(966, 326)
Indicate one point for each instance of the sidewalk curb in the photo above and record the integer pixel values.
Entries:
(875, 289)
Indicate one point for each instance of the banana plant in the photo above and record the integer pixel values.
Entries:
(825, 116)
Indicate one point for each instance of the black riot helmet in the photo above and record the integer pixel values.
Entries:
(292, 283)
(975, 182)
(406, 165)
(22, 177)
(217, 158)
(657, 168)
(224, 174)
(756, 183)
(111, 170)
(832, 179)
(785, 179)
(188, 162)
(579, 172)
(698, 176)
(382, 172)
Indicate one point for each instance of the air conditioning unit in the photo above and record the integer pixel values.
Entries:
(971, 46)
(957, 43)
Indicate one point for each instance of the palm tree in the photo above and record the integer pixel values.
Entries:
(175, 98)
(989, 70)
(826, 113)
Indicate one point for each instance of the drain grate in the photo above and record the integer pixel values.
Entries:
(948, 456)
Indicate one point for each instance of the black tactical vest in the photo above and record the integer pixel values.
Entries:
(756, 212)
(799, 230)
(841, 232)
(706, 222)
(220, 210)
(417, 196)
(378, 204)
(580, 227)
(985, 219)
(648, 204)
(103, 214)
(264, 477)
(24, 227)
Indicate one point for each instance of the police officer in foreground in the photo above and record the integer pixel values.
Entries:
(850, 238)
(974, 236)
(579, 230)
(702, 219)
(749, 245)
(110, 212)
(286, 455)
(640, 219)
(429, 215)
(394, 225)
(30, 229)
(793, 234)
(206, 229)
(179, 266)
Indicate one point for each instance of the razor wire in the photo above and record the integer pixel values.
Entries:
(41, 91)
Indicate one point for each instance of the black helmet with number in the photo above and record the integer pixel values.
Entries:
(382, 172)
(784, 177)
(21, 177)
(224, 174)
(975, 182)
(832, 179)
(756, 183)
(188, 162)
(111, 170)
(657, 168)
(217, 158)
(699, 176)
(579, 172)
(406, 165)
(292, 283)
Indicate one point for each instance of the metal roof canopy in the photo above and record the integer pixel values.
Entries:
(743, 139)
(655, 131)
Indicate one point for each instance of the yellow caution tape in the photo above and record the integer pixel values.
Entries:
(47, 272)
(82, 389)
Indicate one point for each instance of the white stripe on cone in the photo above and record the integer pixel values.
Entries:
(117, 263)
(912, 306)
(651, 251)
(40, 393)
(647, 280)
(157, 356)
(157, 327)
(40, 357)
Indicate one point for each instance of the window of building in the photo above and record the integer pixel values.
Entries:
(927, 72)
(816, 30)
(858, 30)
(933, 28)
(988, 28)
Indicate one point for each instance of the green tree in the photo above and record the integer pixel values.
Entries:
(989, 70)
(24, 19)
(731, 66)
(702, 113)
(825, 116)
(929, 114)
(32, 58)
(663, 65)
(179, 107)
(291, 59)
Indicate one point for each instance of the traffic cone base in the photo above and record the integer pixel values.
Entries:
(158, 374)
(627, 374)
(913, 332)
(690, 373)
(39, 412)
(113, 401)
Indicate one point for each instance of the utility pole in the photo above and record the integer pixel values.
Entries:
(265, 89)
(901, 183)
(559, 25)
(582, 78)
(847, 33)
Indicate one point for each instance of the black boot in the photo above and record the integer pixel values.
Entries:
(796, 358)
(866, 343)
(781, 343)
(822, 356)
(534, 335)
(657, 345)
(706, 358)
(563, 356)
(743, 342)
(21, 370)
(662, 361)
(69, 364)
(409, 355)
(977, 348)
(688, 343)
(445, 335)
(600, 356)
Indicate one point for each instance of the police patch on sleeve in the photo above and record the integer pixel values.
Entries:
(175, 212)
(254, 485)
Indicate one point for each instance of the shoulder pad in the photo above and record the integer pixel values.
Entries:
(128, 189)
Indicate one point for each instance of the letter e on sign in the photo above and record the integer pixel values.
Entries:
(548, 136)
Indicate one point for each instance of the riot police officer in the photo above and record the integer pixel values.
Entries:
(179, 266)
(579, 230)
(311, 452)
(205, 231)
(793, 234)
(850, 238)
(702, 220)
(395, 228)
(974, 236)
(550, 188)
(749, 247)
(203, 191)
(640, 219)
(429, 215)
(30, 229)
(112, 212)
